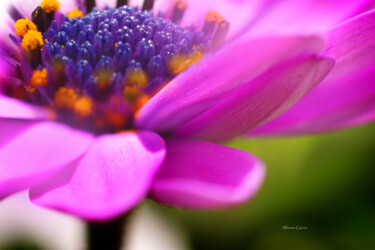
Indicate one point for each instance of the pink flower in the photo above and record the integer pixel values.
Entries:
(285, 69)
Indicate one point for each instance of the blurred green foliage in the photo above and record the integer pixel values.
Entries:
(322, 182)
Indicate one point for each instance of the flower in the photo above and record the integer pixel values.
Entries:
(96, 116)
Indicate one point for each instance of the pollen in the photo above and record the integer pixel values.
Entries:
(39, 78)
(65, 98)
(214, 17)
(140, 102)
(83, 106)
(49, 6)
(132, 93)
(118, 120)
(22, 26)
(180, 62)
(32, 40)
(136, 77)
(75, 13)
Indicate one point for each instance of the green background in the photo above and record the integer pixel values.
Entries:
(322, 182)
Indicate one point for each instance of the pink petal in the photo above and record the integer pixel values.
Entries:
(31, 152)
(305, 16)
(215, 76)
(15, 109)
(201, 175)
(258, 101)
(239, 13)
(111, 178)
(346, 97)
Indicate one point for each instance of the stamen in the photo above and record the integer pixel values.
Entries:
(32, 40)
(148, 4)
(136, 77)
(212, 19)
(75, 13)
(39, 78)
(132, 93)
(90, 4)
(121, 3)
(65, 98)
(22, 26)
(14, 13)
(220, 34)
(180, 62)
(179, 9)
(49, 6)
(83, 106)
(38, 19)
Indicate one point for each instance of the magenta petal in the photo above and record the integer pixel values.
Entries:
(32, 152)
(347, 96)
(16, 109)
(258, 101)
(112, 177)
(215, 76)
(305, 16)
(201, 175)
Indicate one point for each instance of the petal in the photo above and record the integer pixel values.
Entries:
(111, 178)
(212, 79)
(15, 109)
(346, 97)
(258, 101)
(201, 175)
(31, 152)
(313, 16)
(338, 105)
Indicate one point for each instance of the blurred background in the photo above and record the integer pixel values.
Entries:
(319, 194)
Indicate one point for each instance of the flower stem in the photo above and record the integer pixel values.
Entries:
(106, 235)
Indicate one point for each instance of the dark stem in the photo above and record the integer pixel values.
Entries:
(106, 235)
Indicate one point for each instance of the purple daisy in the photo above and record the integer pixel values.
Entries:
(104, 106)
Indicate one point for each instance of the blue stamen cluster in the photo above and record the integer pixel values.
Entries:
(118, 41)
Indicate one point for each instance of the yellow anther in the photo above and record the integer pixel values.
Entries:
(22, 26)
(116, 45)
(180, 62)
(32, 40)
(75, 13)
(39, 78)
(136, 77)
(65, 98)
(49, 6)
(63, 46)
(83, 106)
(132, 93)
(103, 77)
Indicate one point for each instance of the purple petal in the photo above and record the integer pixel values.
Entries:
(201, 175)
(31, 152)
(312, 15)
(111, 178)
(15, 109)
(346, 97)
(215, 76)
(258, 101)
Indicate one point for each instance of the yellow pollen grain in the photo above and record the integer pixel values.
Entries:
(75, 13)
(116, 45)
(32, 40)
(39, 78)
(65, 98)
(180, 62)
(137, 77)
(83, 106)
(213, 16)
(131, 93)
(49, 6)
(22, 26)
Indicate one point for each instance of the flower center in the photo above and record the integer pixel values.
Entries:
(96, 70)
